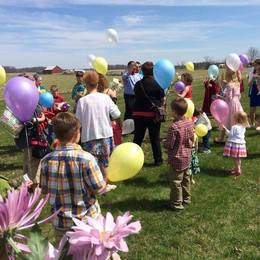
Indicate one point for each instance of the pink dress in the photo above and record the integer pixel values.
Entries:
(232, 97)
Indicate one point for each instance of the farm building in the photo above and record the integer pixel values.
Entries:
(52, 70)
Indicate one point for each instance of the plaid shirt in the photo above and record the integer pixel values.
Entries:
(179, 143)
(72, 178)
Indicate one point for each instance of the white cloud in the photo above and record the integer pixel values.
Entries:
(49, 3)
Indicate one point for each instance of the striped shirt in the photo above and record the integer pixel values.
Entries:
(72, 178)
(179, 143)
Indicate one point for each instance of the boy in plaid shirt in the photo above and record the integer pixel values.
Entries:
(179, 146)
(71, 176)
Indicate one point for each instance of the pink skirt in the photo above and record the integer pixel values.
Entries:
(235, 150)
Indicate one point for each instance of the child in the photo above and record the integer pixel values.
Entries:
(178, 143)
(194, 165)
(202, 118)
(103, 87)
(79, 89)
(232, 97)
(71, 176)
(211, 90)
(236, 145)
(187, 80)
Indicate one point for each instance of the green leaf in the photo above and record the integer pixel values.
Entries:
(38, 246)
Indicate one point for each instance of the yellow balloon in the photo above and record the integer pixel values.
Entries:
(190, 109)
(189, 66)
(201, 130)
(2, 75)
(100, 65)
(125, 162)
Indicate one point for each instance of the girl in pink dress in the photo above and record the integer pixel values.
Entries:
(232, 97)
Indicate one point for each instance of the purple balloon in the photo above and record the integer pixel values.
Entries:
(21, 96)
(244, 59)
(179, 86)
(220, 111)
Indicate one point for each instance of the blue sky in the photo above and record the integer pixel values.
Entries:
(50, 32)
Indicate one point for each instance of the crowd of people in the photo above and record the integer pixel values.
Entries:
(74, 171)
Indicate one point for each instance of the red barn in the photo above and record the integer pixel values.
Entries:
(52, 70)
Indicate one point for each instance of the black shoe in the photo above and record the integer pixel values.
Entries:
(157, 164)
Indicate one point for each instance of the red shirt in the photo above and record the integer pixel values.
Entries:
(189, 94)
(179, 144)
(58, 99)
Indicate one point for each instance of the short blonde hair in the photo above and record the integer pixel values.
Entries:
(241, 118)
(91, 78)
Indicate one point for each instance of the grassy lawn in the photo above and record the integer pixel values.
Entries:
(221, 223)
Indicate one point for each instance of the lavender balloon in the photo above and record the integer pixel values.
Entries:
(220, 111)
(244, 59)
(21, 96)
(179, 86)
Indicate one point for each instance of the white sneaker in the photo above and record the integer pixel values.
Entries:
(207, 151)
(258, 128)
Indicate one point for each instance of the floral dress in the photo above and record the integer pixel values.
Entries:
(194, 165)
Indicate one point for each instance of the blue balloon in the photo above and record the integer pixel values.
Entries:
(164, 73)
(46, 100)
(213, 71)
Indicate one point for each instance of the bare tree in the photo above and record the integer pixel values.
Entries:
(253, 53)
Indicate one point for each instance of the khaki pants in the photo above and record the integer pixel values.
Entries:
(30, 164)
(180, 183)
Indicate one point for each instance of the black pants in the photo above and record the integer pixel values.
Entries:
(141, 124)
(129, 106)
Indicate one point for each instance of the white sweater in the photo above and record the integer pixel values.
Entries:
(94, 112)
(203, 119)
(236, 134)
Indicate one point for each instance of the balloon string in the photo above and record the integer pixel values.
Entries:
(28, 152)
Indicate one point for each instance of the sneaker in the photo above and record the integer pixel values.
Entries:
(180, 207)
(258, 128)
(258, 93)
(207, 151)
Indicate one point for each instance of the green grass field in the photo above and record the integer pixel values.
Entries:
(221, 223)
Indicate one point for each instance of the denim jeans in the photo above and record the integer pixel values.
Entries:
(206, 145)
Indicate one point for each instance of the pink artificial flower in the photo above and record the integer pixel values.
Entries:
(17, 212)
(101, 238)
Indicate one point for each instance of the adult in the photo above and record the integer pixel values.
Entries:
(147, 90)
(79, 89)
(130, 77)
(254, 80)
(95, 112)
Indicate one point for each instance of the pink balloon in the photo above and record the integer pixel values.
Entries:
(220, 111)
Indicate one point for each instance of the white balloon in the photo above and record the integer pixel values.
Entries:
(91, 57)
(233, 61)
(128, 126)
(112, 35)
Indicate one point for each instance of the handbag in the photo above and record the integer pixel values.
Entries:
(160, 112)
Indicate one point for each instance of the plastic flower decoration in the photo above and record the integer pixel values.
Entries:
(18, 211)
(101, 238)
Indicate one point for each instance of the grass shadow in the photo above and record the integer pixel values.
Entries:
(131, 204)
(253, 156)
(9, 167)
(145, 183)
(8, 149)
(216, 172)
